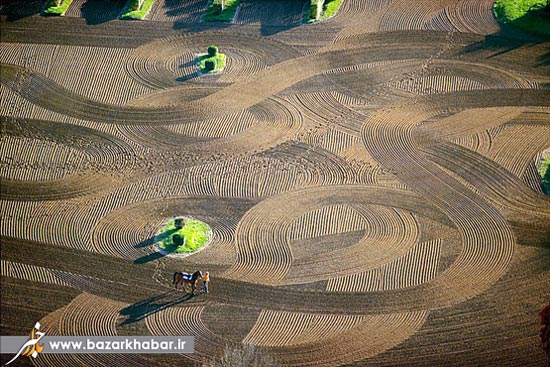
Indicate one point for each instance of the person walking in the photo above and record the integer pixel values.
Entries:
(205, 279)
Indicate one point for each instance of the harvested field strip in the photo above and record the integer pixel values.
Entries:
(327, 220)
(324, 110)
(400, 16)
(437, 84)
(86, 183)
(516, 146)
(27, 159)
(220, 127)
(90, 315)
(346, 338)
(245, 177)
(280, 329)
(473, 16)
(89, 71)
(378, 246)
(30, 272)
(40, 58)
(482, 173)
(488, 241)
(188, 321)
(263, 250)
(468, 122)
(50, 276)
(416, 267)
(480, 142)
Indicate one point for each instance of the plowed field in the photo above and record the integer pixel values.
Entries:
(370, 181)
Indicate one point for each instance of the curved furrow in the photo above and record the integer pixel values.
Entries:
(262, 239)
(473, 16)
(154, 63)
(378, 245)
(29, 272)
(480, 142)
(188, 321)
(115, 235)
(467, 122)
(416, 267)
(341, 339)
(520, 141)
(482, 173)
(402, 15)
(488, 239)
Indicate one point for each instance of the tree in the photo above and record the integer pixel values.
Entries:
(177, 240)
(222, 4)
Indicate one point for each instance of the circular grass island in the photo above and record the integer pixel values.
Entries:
(531, 16)
(183, 235)
(211, 62)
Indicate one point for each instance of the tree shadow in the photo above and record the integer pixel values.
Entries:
(142, 309)
(16, 9)
(101, 11)
(504, 42)
(271, 16)
(148, 258)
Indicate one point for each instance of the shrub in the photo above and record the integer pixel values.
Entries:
(212, 51)
(210, 65)
(177, 240)
(178, 223)
(316, 8)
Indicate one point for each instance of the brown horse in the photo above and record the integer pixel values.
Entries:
(186, 280)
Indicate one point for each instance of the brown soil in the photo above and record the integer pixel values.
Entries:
(369, 181)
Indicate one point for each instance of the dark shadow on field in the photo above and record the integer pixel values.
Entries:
(192, 10)
(270, 16)
(101, 11)
(16, 9)
(148, 258)
(511, 36)
(151, 240)
(142, 309)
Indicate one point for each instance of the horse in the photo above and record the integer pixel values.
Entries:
(185, 279)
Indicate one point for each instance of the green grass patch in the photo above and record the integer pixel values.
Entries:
(195, 234)
(219, 59)
(133, 12)
(214, 12)
(330, 8)
(52, 9)
(544, 171)
(525, 15)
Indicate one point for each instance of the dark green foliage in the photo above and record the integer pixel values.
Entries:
(177, 239)
(546, 181)
(210, 65)
(178, 223)
(212, 51)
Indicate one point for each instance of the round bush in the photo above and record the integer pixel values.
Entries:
(178, 223)
(212, 51)
(177, 239)
(210, 65)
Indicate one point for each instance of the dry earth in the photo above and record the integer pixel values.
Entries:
(370, 181)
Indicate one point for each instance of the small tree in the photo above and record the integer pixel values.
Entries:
(210, 65)
(177, 240)
(178, 222)
(212, 50)
(221, 3)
